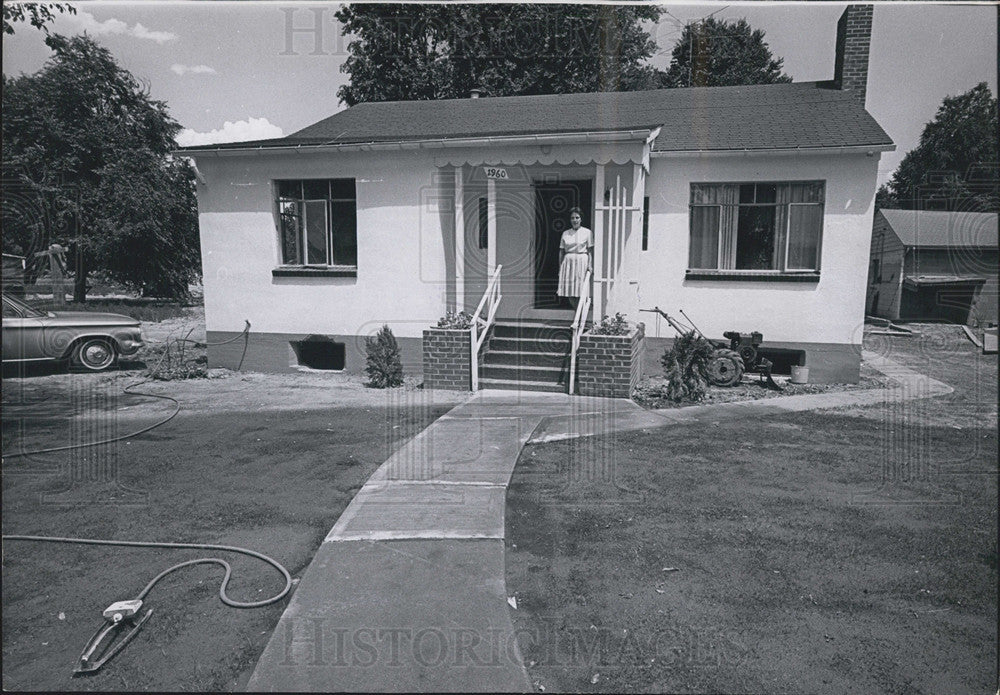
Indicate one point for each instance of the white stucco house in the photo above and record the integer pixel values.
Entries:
(748, 207)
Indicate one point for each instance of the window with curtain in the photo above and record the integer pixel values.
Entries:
(774, 226)
(317, 222)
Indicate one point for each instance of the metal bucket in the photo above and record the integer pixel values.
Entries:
(800, 375)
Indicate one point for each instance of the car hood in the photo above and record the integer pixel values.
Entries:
(90, 318)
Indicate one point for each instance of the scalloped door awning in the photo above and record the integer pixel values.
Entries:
(563, 154)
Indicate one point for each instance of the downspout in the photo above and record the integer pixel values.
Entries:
(899, 283)
(648, 146)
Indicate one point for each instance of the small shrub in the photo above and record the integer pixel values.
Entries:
(453, 319)
(176, 360)
(612, 326)
(684, 367)
(384, 368)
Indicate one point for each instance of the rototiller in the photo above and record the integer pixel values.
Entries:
(732, 357)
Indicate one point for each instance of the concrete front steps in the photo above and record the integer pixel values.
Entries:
(528, 355)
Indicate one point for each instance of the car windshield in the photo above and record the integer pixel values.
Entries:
(24, 309)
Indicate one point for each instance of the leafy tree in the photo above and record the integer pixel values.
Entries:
(719, 53)
(954, 167)
(88, 153)
(37, 14)
(415, 51)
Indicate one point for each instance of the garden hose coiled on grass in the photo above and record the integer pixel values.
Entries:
(195, 546)
(97, 644)
(245, 334)
(112, 440)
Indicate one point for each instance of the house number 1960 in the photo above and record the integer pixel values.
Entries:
(495, 173)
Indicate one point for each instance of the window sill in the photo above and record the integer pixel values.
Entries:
(753, 275)
(345, 271)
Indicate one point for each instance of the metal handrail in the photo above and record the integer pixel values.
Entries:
(579, 321)
(477, 338)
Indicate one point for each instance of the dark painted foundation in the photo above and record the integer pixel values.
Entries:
(274, 352)
(829, 363)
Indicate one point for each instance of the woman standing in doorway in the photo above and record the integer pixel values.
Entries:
(575, 259)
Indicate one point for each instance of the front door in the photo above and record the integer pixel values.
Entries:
(553, 202)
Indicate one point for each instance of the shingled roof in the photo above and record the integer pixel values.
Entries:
(758, 117)
(933, 228)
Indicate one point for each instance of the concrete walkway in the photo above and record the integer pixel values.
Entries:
(407, 592)
(906, 385)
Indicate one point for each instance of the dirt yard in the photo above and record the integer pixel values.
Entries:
(826, 552)
(266, 462)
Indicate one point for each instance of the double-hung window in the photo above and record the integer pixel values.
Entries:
(768, 228)
(317, 222)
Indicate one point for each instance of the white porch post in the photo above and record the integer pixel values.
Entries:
(598, 275)
(491, 227)
(634, 253)
(459, 241)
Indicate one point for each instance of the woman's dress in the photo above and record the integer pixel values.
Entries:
(576, 260)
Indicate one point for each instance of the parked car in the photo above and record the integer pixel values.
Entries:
(89, 340)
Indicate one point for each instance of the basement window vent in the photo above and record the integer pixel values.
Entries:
(320, 352)
(783, 359)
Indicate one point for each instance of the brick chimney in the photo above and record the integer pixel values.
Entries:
(854, 35)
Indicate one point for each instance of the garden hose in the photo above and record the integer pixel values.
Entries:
(223, 596)
(245, 334)
(130, 435)
(198, 546)
(122, 620)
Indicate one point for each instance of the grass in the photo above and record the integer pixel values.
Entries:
(812, 552)
(273, 481)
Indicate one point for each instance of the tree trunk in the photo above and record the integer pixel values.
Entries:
(80, 284)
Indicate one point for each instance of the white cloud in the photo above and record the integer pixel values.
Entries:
(182, 69)
(84, 21)
(250, 129)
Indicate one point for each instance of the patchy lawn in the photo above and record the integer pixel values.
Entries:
(266, 462)
(827, 552)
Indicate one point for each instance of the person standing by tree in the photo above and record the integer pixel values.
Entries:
(84, 142)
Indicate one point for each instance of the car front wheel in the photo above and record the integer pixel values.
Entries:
(94, 354)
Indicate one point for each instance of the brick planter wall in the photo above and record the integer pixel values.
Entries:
(609, 365)
(446, 359)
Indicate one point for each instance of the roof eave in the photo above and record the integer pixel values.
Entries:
(838, 149)
(949, 247)
(641, 134)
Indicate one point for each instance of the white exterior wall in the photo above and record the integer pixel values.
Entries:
(406, 246)
(404, 225)
(828, 311)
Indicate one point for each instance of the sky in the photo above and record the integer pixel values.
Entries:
(240, 71)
